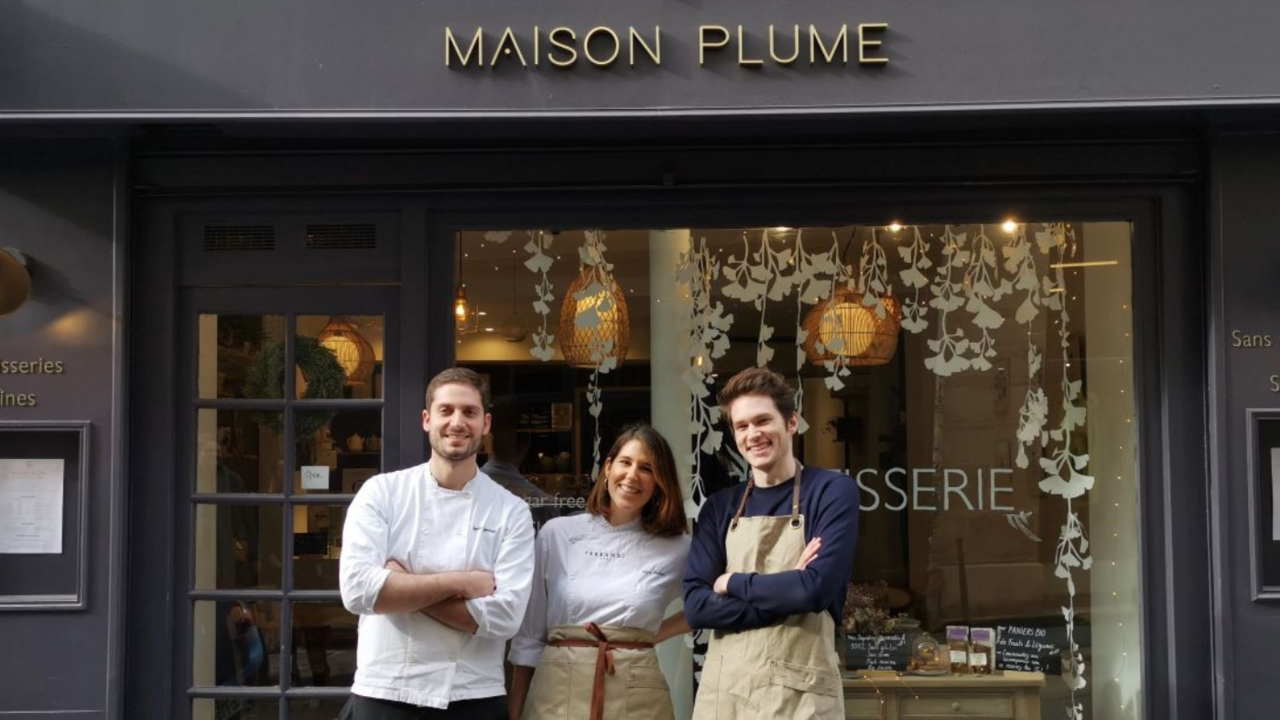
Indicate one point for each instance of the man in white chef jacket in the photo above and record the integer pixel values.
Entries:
(437, 560)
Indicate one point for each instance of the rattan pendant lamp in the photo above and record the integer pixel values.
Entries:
(353, 351)
(841, 327)
(590, 320)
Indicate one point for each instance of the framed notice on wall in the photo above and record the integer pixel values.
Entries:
(43, 515)
(1263, 432)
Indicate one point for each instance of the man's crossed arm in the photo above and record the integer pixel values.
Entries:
(440, 596)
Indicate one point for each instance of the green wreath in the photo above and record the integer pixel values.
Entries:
(322, 371)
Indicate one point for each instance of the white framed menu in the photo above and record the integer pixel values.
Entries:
(31, 506)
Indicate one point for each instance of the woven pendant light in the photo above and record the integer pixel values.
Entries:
(845, 327)
(578, 343)
(354, 353)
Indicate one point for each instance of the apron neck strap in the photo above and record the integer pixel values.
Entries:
(795, 500)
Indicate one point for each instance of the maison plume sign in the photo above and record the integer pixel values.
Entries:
(603, 46)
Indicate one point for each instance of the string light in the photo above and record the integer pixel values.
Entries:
(1010, 226)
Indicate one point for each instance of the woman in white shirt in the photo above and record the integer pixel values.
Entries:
(603, 582)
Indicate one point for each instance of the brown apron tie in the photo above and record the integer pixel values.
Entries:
(604, 661)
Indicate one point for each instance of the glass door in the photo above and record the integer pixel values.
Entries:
(284, 417)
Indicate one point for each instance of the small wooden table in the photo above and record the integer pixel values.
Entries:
(885, 695)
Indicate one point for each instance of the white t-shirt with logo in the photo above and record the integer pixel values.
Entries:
(589, 571)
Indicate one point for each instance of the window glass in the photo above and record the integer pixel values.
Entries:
(324, 645)
(238, 546)
(975, 379)
(317, 545)
(240, 451)
(339, 356)
(236, 643)
(337, 450)
(237, 353)
(239, 708)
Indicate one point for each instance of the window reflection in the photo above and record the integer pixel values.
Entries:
(236, 643)
(976, 380)
(234, 351)
(324, 642)
(241, 451)
(238, 546)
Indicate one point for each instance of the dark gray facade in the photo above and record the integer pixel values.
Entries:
(63, 203)
(245, 58)
(115, 118)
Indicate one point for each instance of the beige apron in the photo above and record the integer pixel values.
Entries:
(787, 670)
(590, 673)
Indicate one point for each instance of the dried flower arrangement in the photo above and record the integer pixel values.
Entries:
(862, 612)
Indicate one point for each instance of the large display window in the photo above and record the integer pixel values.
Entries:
(975, 379)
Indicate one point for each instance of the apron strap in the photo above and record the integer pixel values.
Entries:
(795, 500)
(795, 497)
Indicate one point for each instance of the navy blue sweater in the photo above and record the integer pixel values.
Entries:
(829, 503)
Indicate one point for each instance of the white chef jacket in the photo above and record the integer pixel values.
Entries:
(590, 571)
(406, 516)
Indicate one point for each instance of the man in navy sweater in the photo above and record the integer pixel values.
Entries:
(768, 568)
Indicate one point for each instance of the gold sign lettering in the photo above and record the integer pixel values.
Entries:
(742, 48)
(39, 366)
(451, 48)
(841, 45)
(17, 399)
(602, 46)
(795, 46)
(613, 38)
(1246, 340)
(571, 54)
(654, 53)
(28, 367)
(505, 45)
(864, 43)
(705, 42)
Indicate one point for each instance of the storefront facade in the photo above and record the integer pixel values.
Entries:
(1013, 258)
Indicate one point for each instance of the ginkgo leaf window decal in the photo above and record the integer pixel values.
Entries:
(539, 263)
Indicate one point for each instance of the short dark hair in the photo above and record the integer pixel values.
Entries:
(664, 514)
(758, 381)
(459, 376)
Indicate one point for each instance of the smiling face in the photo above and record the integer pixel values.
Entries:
(763, 436)
(631, 481)
(456, 422)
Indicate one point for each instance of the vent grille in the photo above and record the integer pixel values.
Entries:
(356, 236)
(239, 238)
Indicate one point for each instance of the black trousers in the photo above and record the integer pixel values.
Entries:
(363, 708)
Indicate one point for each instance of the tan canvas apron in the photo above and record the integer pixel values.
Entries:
(788, 670)
(590, 673)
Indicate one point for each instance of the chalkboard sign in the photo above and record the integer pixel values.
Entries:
(877, 652)
(1030, 649)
